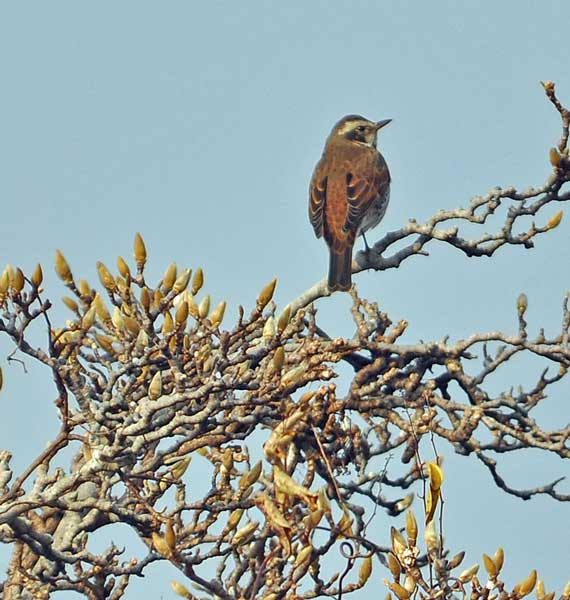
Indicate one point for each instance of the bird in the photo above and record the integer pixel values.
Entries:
(349, 192)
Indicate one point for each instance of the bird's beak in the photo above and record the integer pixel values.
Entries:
(381, 124)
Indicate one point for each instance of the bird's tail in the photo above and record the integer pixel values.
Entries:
(340, 269)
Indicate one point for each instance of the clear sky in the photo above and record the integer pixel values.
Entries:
(198, 124)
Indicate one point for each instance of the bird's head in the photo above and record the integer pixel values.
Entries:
(358, 129)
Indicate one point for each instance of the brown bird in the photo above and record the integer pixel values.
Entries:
(349, 192)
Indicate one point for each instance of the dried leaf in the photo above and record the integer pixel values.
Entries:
(345, 524)
(431, 503)
(435, 473)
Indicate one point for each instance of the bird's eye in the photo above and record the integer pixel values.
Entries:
(361, 129)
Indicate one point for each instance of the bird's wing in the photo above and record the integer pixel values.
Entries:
(368, 178)
(317, 195)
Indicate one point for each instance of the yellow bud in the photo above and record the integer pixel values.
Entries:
(198, 281)
(145, 299)
(181, 282)
(38, 276)
(566, 591)
(251, 476)
(400, 591)
(398, 542)
(179, 589)
(4, 282)
(105, 277)
(161, 546)
(123, 268)
(217, 315)
(204, 307)
(179, 468)
(522, 304)
(169, 278)
(365, 570)
(88, 319)
(244, 534)
(234, 519)
(490, 566)
(105, 343)
(303, 556)
(117, 319)
(62, 268)
(468, 574)
(540, 591)
(456, 560)
(192, 306)
(266, 294)
(155, 386)
(278, 358)
(140, 252)
(70, 303)
(554, 221)
(526, 586)
(499, 559)
(283, 320)
(101, 309)
(549, 596)
(181, 314)
(19, 281)
(269, 328)
(168, 325)
(170, 536)
(431, 538)
(394, 565)
(554, 157)
(411, 528)
(84, 288)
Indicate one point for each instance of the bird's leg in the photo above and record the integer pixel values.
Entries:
(366, 246)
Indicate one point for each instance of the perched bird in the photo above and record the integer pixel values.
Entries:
(349, 192)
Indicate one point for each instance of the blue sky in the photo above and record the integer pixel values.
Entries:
(198, 124)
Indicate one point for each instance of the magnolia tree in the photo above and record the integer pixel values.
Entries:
(150, 383)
